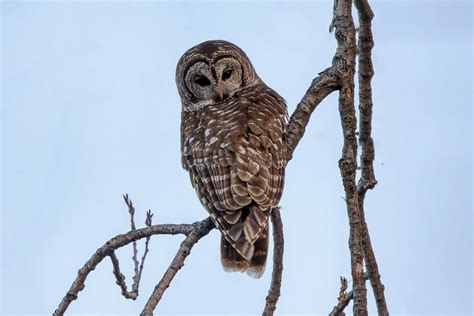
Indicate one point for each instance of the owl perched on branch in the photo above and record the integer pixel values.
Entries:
(233, 143)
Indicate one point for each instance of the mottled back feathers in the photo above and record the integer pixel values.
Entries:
(234, 150)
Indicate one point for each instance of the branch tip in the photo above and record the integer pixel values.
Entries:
(149, 218)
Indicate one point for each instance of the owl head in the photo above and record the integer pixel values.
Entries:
(211, 73)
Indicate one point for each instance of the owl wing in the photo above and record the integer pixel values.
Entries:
(235, 155)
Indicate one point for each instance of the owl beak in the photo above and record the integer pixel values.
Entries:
(219, 94)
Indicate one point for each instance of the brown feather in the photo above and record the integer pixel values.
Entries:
(235, 153)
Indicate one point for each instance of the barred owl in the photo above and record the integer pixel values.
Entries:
(233, 142)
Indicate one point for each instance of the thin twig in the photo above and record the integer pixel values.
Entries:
(342, 289)
(120, 241)
(201, 230)
(338, 310)
(131, 211)
(120, 278)
(148, 222)
(275, 285)
(344, 298)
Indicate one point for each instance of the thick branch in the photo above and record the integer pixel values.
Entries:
(372, 267)
(120, 241)
(367, 179)
(365, 73)
(325, 83)
(177, 263)
(345, 62)
(275, 285)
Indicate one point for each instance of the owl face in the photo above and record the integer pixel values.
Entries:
(215, 82)
(212, 73)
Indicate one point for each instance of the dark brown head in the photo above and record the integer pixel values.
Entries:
(213, 72)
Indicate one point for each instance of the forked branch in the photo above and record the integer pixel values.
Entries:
(178, 262)
(202, 228)
(342, 300)
(119, 277)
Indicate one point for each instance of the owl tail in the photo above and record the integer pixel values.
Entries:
(233, 261)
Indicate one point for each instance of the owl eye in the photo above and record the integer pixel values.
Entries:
(226, 74)
(202, 81)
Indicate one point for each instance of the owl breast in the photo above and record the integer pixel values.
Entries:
(235, 154)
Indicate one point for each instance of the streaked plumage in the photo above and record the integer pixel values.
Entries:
(233, 144)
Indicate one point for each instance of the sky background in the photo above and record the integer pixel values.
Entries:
(90, 111)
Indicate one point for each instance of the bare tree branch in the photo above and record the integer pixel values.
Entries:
(367, 180)
(131, 211)
(344, 298)
(122, 240)
(323, 85)
(345, 63)
(365, 73)
(340, 76)
(120, 278)
(148, 222)
(178, 262)
(338, 310)
(342, 289)
(275, 285)
(372, 267)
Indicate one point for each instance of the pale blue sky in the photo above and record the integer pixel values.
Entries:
(90, 111)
